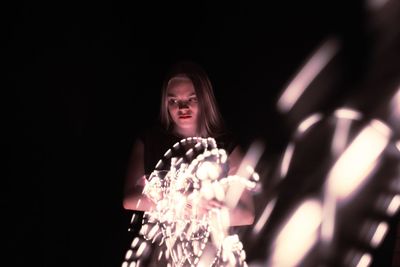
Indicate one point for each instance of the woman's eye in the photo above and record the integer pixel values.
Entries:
(193, 99)
(172, 101)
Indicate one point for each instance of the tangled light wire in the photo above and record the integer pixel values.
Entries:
(186, 236)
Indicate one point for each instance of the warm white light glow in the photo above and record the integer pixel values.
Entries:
(128, 254)
(135, 242)
(328, 218)
(141, 249)
(307, 123)
(307, 74)
(168, 153)
(379, 234)
(340, 137)
(298, 235)
(347, 113)
(262, 221)
(394, 205)
(287, 157)
(358, 160)
(208, 169)
(365, 260)
(189, 212)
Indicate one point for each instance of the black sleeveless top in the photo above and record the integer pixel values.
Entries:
(157, 142)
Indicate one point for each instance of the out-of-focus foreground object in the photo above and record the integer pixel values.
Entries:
(334, 194)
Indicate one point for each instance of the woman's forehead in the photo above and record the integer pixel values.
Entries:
(177, 79)
(179, 86)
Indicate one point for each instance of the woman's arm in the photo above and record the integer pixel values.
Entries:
(135, 181)
(243, 212)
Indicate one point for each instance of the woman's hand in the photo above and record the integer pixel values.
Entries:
(198, 208)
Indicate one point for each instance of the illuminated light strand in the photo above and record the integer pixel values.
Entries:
(176, 221)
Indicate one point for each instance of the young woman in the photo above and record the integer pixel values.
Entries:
(188, 109)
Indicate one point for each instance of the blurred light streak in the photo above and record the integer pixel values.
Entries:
(398, 145)
(287, 157)
(251, 159)
(394, 205)
(340, 136)
(307, 123)
(328, 218)
(262, 221)
(141, 249)
(128, 254)
(298, 235)
(359, 160)
(344, 117)
(348, 113)
(307, 74)
(365, 260)
(135, 242)
(395, 106)
(379, 234)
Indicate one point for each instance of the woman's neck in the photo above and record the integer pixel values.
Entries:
(185, 133)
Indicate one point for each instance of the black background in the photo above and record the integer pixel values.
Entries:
(84, 77)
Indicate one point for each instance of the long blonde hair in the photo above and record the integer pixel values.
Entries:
(210, 121)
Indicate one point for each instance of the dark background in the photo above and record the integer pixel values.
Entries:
(84, 77)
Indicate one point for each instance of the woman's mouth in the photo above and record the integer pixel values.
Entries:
(184, 116)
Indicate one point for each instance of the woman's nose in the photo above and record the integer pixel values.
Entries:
(183, 104)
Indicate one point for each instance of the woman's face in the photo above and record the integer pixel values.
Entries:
(182, 106)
